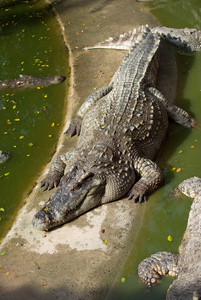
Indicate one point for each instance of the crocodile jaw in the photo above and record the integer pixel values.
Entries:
(67, 203)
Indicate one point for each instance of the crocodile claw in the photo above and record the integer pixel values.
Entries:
(50, 182)
(75, 127)
(137, 197)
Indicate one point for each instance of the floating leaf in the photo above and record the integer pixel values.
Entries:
(30, 144)
(178, 170)
(192, 146)
(169, 238)
(17, 120)
(123, 279)
(53, 124)
(21, 137)
(49, 135)
(2, 209)
(180, 151)
(6, 174)
(173, 169)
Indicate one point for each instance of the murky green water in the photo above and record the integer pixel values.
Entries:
(165, 215)
(30, 119)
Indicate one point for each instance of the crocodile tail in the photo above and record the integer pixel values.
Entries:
(125, 41)
(188, 39)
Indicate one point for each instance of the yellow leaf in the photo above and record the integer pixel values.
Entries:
(178, 170)
(21, 137)
(7, 273)
(169, 238)
(52, 125)
(17, 120)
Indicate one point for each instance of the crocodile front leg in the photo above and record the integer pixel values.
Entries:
(56, 171)
(151, 179)
(76, 124)
(161, 263)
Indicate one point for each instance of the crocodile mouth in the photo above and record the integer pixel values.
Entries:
(69, 202)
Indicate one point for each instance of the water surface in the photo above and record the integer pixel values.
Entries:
(30, 119)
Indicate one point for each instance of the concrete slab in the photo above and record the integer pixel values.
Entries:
(80, 259)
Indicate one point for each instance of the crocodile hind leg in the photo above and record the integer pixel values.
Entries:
(176, 113)
(75, 126)
(189, 39)
(57, 169)
(161, 263)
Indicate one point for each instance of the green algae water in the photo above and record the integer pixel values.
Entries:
(166, 216)
(30, 119)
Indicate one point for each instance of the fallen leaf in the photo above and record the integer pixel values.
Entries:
(169, 238)
(123, 279)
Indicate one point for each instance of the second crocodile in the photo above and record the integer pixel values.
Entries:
(186, 265)
(25, 81)
(121, 128)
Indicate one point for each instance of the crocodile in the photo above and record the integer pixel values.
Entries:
(121, 128)
(185, 266)
(4, 155)
(25, 81)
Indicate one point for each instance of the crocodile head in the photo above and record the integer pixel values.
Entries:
(78, 192)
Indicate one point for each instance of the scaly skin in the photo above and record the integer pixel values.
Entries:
(186, 265)
(121, 128)
(25, 81)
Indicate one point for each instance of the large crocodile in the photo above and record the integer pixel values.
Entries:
(186, 265)
(25, 81)
(121, 127)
